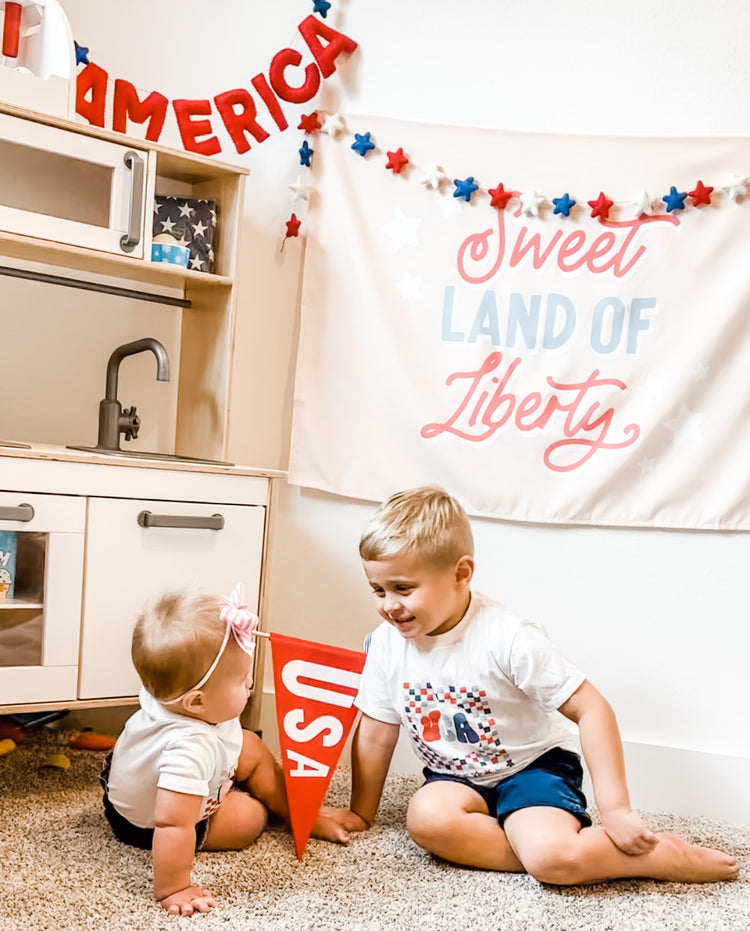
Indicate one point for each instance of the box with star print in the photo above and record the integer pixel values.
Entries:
(192, 223)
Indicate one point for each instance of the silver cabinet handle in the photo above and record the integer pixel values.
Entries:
(130, 240)
(147, 519)
(23, 512)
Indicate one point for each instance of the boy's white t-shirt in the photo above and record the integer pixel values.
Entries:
(479, 701)
(161, 749)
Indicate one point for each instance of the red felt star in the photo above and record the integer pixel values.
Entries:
(600, 206)
(701, 194)
(397, 161)
(292, 226)
(499, 197)
(310, 123)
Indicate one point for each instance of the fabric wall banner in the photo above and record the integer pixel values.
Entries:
(315, 687)
(541, 362)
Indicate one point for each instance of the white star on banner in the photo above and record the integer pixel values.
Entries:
(530, 204)
(198, 228)
(449, 205)
(167, 225)
(652, 387)
(402, 230)
(410, 287)
(433, 177)
(700, 372)
(642, 204)
(186, 210)
(686, 426)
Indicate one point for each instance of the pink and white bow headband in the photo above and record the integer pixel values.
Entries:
(241, 623)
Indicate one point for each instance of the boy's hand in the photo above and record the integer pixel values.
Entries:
(336, 824)
(628, 831)
(188, 901)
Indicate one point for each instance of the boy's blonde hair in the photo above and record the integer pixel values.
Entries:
(175, 640)
(426, 520)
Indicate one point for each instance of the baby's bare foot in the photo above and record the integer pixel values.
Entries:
(679, 861)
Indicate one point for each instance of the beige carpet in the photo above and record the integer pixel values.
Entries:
(62, 870)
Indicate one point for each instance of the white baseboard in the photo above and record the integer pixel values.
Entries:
(689, 783)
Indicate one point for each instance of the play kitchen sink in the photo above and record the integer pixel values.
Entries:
(113, 420)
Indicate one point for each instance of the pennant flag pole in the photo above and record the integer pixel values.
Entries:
(315, 689)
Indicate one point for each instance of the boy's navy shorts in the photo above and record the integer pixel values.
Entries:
(553, 780)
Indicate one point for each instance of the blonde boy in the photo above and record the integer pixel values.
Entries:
(478, 690)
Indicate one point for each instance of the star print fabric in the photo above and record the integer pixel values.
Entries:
(192, 223)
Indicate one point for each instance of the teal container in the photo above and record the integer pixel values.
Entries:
(7, 563)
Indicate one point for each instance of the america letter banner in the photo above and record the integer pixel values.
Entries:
(315, 689)
(553, 328)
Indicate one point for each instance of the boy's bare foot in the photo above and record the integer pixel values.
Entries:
(678, 861)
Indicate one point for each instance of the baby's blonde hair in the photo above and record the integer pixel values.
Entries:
(175, 640)
(425, 520)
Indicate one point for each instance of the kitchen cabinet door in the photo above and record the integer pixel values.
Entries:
(131, 557)
(40, 607)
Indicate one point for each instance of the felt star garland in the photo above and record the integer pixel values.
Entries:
(530, 203)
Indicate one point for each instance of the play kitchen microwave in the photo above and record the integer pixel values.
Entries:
(73, 188)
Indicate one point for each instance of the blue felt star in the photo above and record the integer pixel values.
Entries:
(322, 7)
(362, 143)
(305, 154)
(465, 188)
(673, 200)
(563, 204)
(82, 54)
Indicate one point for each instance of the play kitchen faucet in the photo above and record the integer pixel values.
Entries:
(113, 420)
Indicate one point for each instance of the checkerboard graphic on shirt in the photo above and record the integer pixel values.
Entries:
(459, 717)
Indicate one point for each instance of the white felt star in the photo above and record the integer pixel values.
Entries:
(332, 125)
(530, 204)
(433, 177)
(734, 186)
(301, 189)
(642, 204)
(402, 230)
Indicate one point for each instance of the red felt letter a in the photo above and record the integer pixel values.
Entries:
(312, 30)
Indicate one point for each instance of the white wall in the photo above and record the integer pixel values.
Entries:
(658, 619)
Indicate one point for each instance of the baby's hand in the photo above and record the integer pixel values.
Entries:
(188, 901)
(335, 824)
(628, 831)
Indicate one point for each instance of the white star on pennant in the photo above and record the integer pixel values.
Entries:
(167, 225)
(410, 287)
(198, 228)
(433, 177)
(402, 230)
(186, 210)
(196, 263)
(332, 125)
(686, 426)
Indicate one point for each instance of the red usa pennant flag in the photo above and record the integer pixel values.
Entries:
(315, 689)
